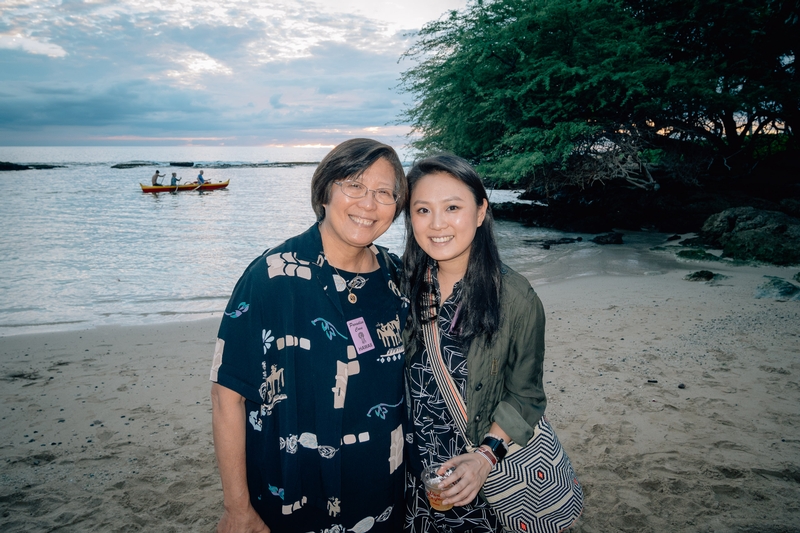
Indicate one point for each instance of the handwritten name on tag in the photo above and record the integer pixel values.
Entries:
(360, 335)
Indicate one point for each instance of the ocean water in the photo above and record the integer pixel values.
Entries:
(83, 246)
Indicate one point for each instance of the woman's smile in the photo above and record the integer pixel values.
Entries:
(361, 221)
(445, 217)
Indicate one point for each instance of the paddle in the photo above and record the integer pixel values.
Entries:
(176, 185)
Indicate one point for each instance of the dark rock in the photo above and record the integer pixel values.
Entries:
(12, 166)
(181, 164)
(778, 289)
(673, 208)
(673, 238)
(30, 166)
(608, 238)
(791, 207)
(563, 240)
(547, 243)
(748, 234)
(774, 178)
(693, 241)
(697, 255)
(797, 277)
(135, 164)
(520, 212)
(700, 275)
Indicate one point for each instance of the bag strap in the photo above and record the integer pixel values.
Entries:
(452, 398)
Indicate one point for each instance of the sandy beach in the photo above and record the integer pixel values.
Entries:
(677, 401)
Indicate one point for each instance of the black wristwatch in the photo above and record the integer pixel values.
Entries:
(498, 447)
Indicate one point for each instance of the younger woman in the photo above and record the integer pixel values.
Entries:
(491, 337)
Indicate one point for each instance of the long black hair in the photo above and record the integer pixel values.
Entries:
(479, 312)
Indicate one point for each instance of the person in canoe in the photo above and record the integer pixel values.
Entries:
(200, 179)
(155, 178)
(174, 180)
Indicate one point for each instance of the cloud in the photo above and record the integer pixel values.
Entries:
(275, 101)
(134, 103)
(30, 45)
(247, 71)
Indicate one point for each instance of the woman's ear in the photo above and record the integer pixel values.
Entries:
(482, 211)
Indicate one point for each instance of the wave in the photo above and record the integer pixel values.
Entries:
(181, 299)
(36, 324)
(214, 164)
(157, 164)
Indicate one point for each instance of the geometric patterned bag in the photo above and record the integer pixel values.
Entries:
(534, 488)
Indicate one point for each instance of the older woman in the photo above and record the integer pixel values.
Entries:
(307, 398)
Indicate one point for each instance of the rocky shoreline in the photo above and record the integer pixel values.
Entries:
(755, 218)
(190, 164)
(5, 165)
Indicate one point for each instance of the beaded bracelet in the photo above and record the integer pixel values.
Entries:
(498, 447)
(486, 455)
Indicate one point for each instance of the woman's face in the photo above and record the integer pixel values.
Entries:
(357, 222)
(444, 218)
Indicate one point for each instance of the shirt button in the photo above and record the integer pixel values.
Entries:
(479, 387)
(477, 418)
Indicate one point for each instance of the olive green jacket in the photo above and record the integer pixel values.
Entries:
(504, 379)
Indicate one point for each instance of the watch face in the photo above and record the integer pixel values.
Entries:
(500, 452)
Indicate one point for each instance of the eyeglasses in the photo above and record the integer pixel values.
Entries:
(355, 189)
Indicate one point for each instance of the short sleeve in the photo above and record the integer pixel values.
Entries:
(239, 356)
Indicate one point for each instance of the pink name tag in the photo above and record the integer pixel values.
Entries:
(360, 335)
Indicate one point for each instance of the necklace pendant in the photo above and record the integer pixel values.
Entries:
(352, 298)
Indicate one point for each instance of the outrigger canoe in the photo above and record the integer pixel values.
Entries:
(207, 186)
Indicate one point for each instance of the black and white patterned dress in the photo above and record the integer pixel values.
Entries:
(436, 438)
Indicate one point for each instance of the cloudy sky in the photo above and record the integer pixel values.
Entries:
(253, 72)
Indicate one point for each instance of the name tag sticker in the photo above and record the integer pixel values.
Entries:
(360, 335)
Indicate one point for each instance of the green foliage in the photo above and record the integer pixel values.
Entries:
(542, 90)
(762, 146)
(733, 68)
(507, 171)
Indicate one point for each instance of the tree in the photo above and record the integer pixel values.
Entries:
(579, 90)
(734, 74)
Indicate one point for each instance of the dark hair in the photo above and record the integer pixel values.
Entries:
(349, 160)
(479, 312)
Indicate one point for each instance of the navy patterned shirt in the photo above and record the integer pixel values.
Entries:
(322, 380)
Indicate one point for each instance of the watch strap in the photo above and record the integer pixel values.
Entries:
(498, 447)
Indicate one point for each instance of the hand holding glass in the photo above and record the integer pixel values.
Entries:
(431, 480)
